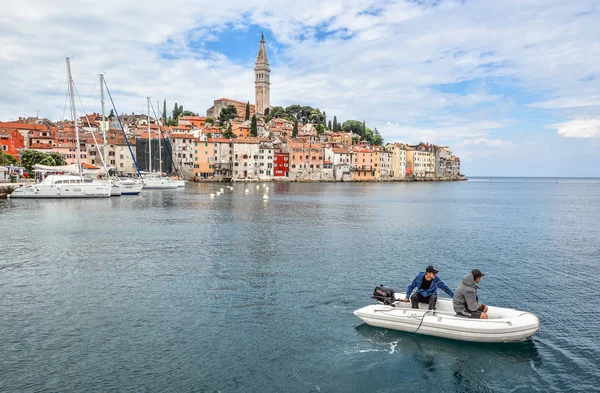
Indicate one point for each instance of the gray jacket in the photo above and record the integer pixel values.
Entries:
(465, 296)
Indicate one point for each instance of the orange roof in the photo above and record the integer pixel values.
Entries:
(88, 166)
(219, 140)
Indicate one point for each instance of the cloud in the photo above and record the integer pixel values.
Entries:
(483, 142)
(381, 62)
(579, 128)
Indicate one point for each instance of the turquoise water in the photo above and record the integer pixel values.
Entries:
(173, 291)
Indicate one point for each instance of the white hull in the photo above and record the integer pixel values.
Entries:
(115, 190)
(162, 183)
(131, 189)
(59, 187)
(504, 324)
(180, 183)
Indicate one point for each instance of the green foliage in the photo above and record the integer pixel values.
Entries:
(247, 116)
(210, 120)
(188, 113)
(295, 130)
(324, 119)
(355, 126)
(227, 114)
(274, 113)
(31, 157)
(377, 139)
(7, 159)
(228, 132)
(267, 111)
(111, 114)
(355, 139)
(335, 124)
(304, 114)
(253, 127)
(329, 127)
(164, 112)
(320, 128)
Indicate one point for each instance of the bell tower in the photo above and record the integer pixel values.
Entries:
(262, 79)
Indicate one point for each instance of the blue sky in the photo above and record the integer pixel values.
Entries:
(512, 86)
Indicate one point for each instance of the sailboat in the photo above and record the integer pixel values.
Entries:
(155, 180)
(65, 186)
(126, 186)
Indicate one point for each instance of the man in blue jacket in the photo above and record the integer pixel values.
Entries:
(427, 284)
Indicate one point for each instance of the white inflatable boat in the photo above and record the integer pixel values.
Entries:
(504, 324)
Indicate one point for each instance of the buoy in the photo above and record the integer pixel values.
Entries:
(267, 188)
(264, 185)
(212, 195)
(265, 197)
(257, 186)
(218, 193)
(247, 191)
(222, 189)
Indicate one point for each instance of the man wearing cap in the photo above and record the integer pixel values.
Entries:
(427, 284)
(465, 301)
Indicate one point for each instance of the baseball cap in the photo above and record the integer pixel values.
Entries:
(431, 269)
(477, 273)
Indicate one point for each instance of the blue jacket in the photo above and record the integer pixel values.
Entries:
(435, 284)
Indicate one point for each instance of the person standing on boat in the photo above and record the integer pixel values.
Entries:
(426, 284)
(465, 301)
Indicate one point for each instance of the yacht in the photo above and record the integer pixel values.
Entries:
(64, 186)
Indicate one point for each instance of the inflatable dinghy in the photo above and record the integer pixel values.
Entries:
(503, 326)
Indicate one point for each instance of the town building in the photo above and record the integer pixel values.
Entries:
(398, 160)
(246, 159)
(204, 157)
(281, 164)
(262, 79)
(11, 142)
(342, 163)
(215, 110)
(223, 163)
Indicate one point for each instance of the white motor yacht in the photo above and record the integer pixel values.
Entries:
(64, 186)
(157, 182)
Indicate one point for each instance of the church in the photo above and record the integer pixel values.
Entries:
(262, 89)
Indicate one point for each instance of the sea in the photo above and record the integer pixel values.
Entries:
(172, 291)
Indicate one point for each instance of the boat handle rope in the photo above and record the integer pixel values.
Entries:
(422, 318)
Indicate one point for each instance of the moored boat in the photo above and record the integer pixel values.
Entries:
(64, 186)
(504, 324)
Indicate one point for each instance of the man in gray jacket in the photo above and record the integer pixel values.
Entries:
(465, 300)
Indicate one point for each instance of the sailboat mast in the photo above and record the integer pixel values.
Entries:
(74, 113)
(149, 140)
(105, 151)
(159, 151)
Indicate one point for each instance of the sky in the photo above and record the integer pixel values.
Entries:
(513, 86)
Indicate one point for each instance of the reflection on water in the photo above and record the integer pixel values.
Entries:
(173, 291)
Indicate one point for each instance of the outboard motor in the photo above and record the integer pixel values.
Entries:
(384, 295)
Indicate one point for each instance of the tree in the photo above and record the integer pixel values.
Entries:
(210, 120)
(253, 127)
(229, 132)
(111, 114)
(227, 114)
(324, 119)
(7, 159)
(164, 113)
(188, 113)
(377, 139)
(335, 124)
(356, 127)
(329, 127)
(31, 157)
(267, 111)
(320, 128)
(247, 116)
(275, 113)
(295, 130)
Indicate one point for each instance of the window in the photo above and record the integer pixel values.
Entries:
(121, 156)
(285, 158)
(285, 165)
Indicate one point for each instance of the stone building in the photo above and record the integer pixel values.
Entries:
(262, 79)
